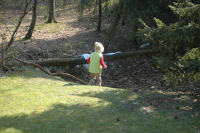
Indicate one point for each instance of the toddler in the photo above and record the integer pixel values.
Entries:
(96, 63)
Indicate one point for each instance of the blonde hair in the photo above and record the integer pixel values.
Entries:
(99, 46)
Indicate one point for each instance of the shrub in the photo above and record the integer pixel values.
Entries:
(178, 43)
(184, 69)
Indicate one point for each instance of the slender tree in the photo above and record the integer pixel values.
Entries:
(100, 15)
(51, 18)
(32, 26)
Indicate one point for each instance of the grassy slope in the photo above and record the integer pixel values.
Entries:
(32, 102)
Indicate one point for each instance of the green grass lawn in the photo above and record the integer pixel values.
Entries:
(32, 102)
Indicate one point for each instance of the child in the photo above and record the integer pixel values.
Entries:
(96, 63)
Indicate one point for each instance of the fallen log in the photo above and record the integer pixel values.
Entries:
(81, 60)
(107, 57)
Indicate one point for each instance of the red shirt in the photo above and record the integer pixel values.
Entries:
(101, 62)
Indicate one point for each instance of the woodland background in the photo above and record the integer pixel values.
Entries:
(41, 29)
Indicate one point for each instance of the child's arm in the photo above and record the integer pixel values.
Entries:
(88, 60)
(102, 63)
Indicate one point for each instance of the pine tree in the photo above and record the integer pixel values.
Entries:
(177, 40)
(178, 37)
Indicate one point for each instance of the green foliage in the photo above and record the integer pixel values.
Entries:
(175, 40)
(184, 69)
(186, 11)
(146, 10)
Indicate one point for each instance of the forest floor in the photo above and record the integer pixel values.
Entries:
(73, 36)
(174, 105)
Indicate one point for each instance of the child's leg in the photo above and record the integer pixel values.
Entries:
(92, 79)
(98, 78)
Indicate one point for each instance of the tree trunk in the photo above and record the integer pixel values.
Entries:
(123, 20)
(100, 16)
(124, 13)
(135, 26)
(51, 18)
(80, 61)
(32, 26)
(111, 32)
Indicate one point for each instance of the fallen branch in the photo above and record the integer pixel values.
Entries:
(52, 74)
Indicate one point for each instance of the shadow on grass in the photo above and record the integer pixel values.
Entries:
(116, 111)
(71, 84)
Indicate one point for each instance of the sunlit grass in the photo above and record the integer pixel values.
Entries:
(51, 27)
(32, 102)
